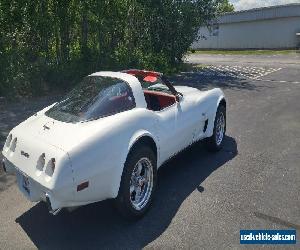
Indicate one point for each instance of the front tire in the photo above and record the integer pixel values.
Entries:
(138, 183)
(215, 142)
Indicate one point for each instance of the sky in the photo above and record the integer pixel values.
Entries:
(249, 4)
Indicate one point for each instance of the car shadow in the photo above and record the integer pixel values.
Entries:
(99, 225)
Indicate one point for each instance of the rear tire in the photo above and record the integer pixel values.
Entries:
(138, 183)
(215, 142)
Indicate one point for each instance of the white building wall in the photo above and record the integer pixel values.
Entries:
(254, 30)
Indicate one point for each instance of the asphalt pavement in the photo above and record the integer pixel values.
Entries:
(203, 199)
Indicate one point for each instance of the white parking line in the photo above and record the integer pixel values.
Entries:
(275, 81)
(249, 72)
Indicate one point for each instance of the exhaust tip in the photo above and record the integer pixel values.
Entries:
(55, 212)
(51, 210)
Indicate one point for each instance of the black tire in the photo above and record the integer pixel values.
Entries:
(123, 201)
(211, 142)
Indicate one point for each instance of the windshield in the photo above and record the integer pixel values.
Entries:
(94, 97)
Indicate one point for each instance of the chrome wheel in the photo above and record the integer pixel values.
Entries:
(220, 128)
(141, 183)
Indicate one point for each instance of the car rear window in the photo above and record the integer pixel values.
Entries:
(93, 98)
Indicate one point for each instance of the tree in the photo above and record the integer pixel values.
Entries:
(51, 43)
(225, 6)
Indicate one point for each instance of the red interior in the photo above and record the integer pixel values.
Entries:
(116, 103)
(150, 79)
(164, 100)
(143, 73)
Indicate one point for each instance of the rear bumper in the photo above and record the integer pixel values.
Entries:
(31, 189)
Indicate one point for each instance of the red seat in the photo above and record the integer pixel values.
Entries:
(164, 99)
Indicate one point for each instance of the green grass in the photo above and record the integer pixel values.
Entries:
(244, 52)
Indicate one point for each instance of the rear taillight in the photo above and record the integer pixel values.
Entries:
(50, 168)
(14, 144)
(8, 140)
(41, 162)
(53, 164)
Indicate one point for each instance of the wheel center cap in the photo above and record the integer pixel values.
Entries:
(141, 182)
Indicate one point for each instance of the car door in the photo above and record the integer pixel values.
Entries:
(188, 121)
(175, 131)
(166, 132)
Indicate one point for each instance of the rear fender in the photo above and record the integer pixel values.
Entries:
(134, 139)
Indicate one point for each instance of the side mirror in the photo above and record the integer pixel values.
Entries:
(178, 97)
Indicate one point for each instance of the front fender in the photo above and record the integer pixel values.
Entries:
(217, 97)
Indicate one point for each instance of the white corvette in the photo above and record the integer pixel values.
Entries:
(107, 138)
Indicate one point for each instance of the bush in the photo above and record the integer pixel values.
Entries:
(48, 45)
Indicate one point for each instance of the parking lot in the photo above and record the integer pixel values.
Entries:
(203, 199)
